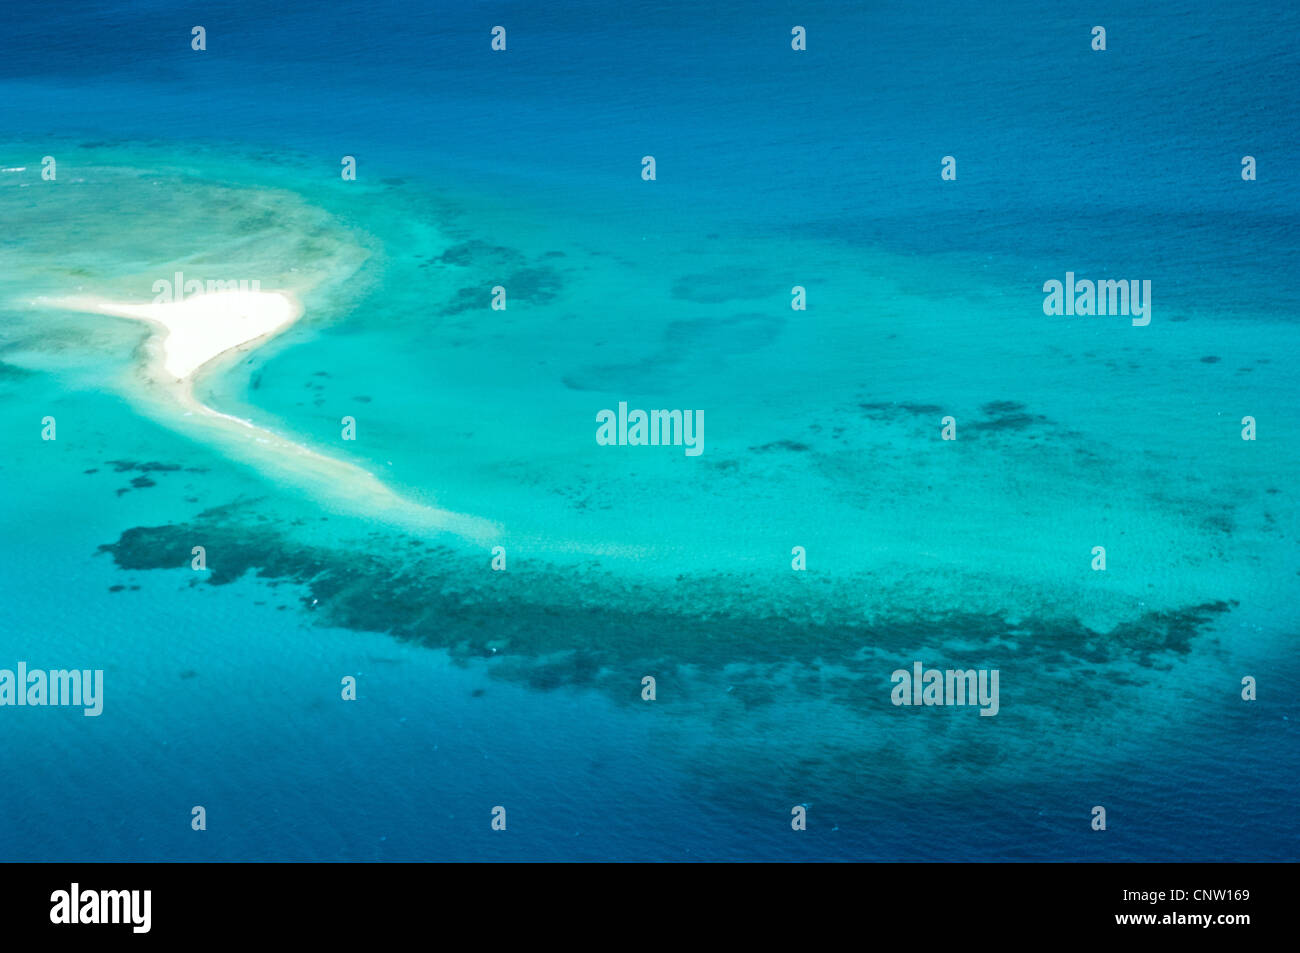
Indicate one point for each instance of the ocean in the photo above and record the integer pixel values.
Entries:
(521, 687)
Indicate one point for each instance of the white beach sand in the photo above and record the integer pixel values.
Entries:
(192, 332)
(200, 327)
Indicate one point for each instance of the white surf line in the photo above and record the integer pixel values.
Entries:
(194, 331)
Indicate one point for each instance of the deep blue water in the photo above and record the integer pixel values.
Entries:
(1125, 160)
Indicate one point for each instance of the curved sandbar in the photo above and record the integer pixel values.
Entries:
(200, 328)
(193, 332)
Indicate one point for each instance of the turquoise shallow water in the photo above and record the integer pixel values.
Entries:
(773, 678)
(522, 688)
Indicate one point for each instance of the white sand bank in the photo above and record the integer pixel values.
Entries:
(196, 330)
(200, 327)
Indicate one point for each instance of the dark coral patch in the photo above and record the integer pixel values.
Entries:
(792, 445)
(534, 285)
(125, 466)
(1006, 415)
(997, 408)
(884, 410)
(477, 252)
(552, 627)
